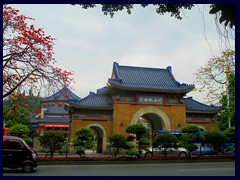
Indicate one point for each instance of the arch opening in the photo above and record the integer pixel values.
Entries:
(99, 137)
(153, 118)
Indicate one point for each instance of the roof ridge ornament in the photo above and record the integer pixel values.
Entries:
(115, 69)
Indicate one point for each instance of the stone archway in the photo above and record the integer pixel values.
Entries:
(101, 141)
(166, 124)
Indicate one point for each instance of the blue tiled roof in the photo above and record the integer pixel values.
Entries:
(32, 115)
(34, 120)
(63, 95)
(195, 106)
(55, 110)
(93, 100)
(103, 90)
(54, 120)
(146, 79)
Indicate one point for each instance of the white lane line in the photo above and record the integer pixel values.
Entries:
(209, 169)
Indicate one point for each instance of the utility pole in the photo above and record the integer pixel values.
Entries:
(227, 78)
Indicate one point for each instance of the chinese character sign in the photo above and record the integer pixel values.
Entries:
(150, 100)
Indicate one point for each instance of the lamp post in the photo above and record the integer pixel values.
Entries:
(66, 146)
(227, 78)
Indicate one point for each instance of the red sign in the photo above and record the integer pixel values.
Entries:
(57, 125)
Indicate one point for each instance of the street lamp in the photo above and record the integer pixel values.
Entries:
(227, 78)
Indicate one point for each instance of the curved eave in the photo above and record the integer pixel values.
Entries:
(185, 90)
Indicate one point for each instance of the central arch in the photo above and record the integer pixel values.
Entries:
(153, 111)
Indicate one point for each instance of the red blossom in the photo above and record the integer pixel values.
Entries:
(28, 55)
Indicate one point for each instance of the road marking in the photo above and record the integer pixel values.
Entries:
(209, 169)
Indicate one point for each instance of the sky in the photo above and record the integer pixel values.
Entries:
(88, 42)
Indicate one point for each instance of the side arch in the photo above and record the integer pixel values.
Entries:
(150, 109)
(104, 134)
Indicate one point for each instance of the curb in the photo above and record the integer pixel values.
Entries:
(137, 161)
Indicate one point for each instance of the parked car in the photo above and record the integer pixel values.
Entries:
(206, 149)
(169, 151)
(18, 154)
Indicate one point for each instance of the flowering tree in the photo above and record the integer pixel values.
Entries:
(212, 77)
(28, 56)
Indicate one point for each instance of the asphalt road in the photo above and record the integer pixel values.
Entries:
(166, 169)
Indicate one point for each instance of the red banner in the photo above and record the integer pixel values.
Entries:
(57, 125)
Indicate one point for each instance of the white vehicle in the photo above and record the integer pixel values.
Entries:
(169, 151)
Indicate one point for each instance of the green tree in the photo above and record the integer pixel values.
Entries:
(21, 131)
(230, 134)
(15, 111)
(52, 141)
(188, 138)
(83, 140)
(228, 110)
(140, 132)
(117, 141)
(226, 11)
(165, 140)
(215, 138)
(34, 103)
(187, 141)
(190, 128)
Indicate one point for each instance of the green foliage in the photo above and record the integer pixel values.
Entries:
(187, 142)
(138, 129)
(52, 141)
(29, 141)
(130, 138)
(117, 141)
(228, 111)
(131, 145)
(143, 141)
(17, 107)
(227, 11)
(230, 134)
(15, 114)
(133, 152)
(174, 9)
(188, 146)
(188, 138)
(22, 131)
(34, 103)
(141, 132)
(19, 130)
(166, 140)
(84, 134)
(91, 145)
(84, 140)
(190, 128)
(214, 137)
